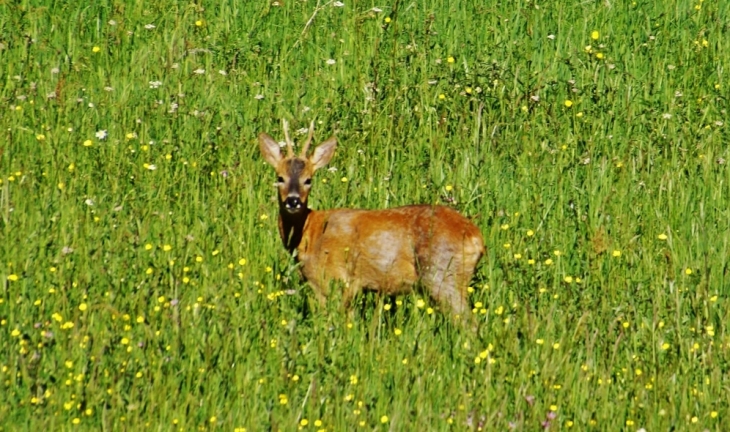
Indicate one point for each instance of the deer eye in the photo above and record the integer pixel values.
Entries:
(308, 181)
(280, 179)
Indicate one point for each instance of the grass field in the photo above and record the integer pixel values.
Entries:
(144, 284)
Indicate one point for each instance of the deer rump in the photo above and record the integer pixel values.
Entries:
(391, 251)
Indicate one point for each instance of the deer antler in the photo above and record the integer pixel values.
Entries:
(309, 139)
(289, 143)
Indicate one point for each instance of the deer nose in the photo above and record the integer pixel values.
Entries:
(293, 202)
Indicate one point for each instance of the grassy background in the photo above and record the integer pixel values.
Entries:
(144, 283)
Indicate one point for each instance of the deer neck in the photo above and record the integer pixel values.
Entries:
(291, 227)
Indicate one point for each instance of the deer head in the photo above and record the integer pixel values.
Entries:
(295, 173)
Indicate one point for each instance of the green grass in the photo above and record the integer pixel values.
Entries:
(602, 300)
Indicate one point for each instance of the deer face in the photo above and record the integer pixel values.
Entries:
(294, 173)
(294, 180)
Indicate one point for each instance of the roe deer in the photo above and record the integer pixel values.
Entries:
(388, 251)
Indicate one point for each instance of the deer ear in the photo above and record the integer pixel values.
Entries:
(270, 149)
(323, 153)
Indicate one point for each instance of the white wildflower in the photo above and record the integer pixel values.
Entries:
(101, 134)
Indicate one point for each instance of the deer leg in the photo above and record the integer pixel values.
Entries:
(319, 294)
(351, 290)
(442, 281)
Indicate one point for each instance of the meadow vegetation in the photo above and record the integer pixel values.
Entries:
(144, 285)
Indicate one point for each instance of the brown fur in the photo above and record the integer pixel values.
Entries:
(388, 251)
